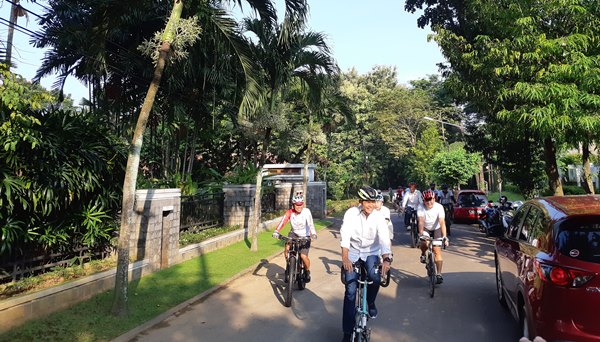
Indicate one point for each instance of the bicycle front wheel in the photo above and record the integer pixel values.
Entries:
(431, 273)
(414, 238)
(292, 279)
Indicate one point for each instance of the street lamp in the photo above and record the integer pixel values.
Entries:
(462, 128)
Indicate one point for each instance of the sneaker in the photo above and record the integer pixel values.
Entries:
(372, 310)
(422, 259)
(408, 228)
(347, 338)
(307, 277)
(439, 279)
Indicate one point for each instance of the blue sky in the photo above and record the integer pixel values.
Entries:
(363, 34)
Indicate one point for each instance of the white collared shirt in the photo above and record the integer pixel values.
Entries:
(412, 199)
(364, 236)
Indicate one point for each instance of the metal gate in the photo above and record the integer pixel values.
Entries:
(201, 212)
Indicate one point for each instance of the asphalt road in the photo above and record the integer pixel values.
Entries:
(251, 307)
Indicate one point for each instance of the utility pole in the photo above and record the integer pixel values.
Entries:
(11, 31)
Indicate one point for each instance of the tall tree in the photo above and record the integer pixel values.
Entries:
(530, 61)
(168, 36)
(285, 52)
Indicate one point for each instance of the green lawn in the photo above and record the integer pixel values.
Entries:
(148, 297)
(512, 196)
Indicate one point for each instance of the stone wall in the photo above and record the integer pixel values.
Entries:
(239, 201)
(155, 233)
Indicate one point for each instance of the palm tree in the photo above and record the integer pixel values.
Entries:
(285, 53)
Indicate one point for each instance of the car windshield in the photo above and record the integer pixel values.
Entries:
(579, 238)
(472, 200)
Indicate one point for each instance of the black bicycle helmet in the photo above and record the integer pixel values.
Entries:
(367, 193)
(503, 199)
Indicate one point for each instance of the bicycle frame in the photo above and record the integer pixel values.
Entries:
(361, 331)
(430, 265)
(413, 222)
(294, 266)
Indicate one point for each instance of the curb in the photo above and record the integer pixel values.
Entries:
(132, 334)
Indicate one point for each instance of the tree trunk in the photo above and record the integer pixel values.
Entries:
(257, 195)
(119, 307)
(307, 159)
(552, 168)
(588, 185)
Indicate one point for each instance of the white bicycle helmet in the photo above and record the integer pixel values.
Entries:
(379, 196)
(298, 199)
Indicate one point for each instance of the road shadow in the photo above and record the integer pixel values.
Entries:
(275, 275)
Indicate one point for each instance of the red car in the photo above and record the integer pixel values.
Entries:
(469, 204)
(548, 268)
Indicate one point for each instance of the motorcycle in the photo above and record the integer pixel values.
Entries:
(490, 220)
(495, 220)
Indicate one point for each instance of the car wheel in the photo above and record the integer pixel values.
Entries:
(500, 286)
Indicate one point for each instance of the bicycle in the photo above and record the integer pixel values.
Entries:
(430, 262)
(294, 268)
(414, 235)
(448, 213)
(361, 331)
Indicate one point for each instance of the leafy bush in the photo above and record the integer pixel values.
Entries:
(338, 208)
(188, 238)
(60, 175)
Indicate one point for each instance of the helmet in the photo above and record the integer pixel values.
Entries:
(428, 194)
(444, 186)
(432, 185)
(379, 196)
(367, 193)
(298, 199)
(503, 199)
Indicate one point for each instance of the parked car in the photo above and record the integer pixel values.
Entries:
(548, 268)
(469, 204)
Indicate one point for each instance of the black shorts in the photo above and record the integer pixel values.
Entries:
(435, 234)
(303, 247)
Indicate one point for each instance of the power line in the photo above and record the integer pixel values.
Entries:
(18, 4)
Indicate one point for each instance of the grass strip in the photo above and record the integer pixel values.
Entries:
(149, 296)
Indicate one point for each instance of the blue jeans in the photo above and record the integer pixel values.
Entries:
(348, 318)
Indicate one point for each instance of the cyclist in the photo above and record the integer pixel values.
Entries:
(412, 199)
(398, 198)
(302, 224)
(385, 211)
(435, 192)
(364, 235)
(432, 220)
(446, 198)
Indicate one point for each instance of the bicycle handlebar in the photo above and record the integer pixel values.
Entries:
(425, 238)
(296, 239)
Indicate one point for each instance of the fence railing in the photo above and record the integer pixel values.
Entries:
(267, 202)
(201, 212)
(14, 270)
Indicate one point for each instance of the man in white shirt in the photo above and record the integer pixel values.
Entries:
(432, 220)
(365, 236)
(411, 199)
(385, 211)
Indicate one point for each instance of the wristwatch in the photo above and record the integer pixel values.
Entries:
(388, 259)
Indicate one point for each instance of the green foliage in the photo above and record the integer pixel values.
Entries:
(455, 167)
(188, 238)
(61, 174)
(337, 208)
(568, 189)
(242, 174)
(429, 144)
